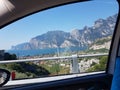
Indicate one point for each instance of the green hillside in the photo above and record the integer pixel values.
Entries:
(100, 46)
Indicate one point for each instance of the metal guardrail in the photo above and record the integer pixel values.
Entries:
(51, 58)
(74, 63)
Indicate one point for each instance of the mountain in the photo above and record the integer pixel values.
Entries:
(76, 38)
(101, 45)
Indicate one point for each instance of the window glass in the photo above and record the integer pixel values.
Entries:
(69, 39)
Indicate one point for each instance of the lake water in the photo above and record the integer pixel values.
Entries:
(44, 51)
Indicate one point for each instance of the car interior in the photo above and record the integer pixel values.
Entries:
(12, 11)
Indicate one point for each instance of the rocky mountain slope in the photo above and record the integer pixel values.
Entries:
(76, 38)
(101, 43)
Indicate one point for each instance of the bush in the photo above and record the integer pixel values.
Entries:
(99, 67)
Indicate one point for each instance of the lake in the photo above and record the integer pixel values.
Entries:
(45, 51)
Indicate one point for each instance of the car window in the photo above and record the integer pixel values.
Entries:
(70, 39)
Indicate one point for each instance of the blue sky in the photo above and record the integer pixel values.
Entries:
(65, 18)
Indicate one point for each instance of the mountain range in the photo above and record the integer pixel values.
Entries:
(76, 38)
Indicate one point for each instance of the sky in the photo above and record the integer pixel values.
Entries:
(65, 18)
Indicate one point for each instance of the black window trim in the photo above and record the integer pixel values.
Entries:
(114, 45)
(104, 80)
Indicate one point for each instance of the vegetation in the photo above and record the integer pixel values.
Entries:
(26, 70)
(8, 56)
(34, 69)
(55, 68)
(98, 42)
(103, 50)
(102, 41)
(48, 68)
(99, 67)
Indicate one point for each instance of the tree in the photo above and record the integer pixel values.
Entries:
(13, 57)
(8, 56)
